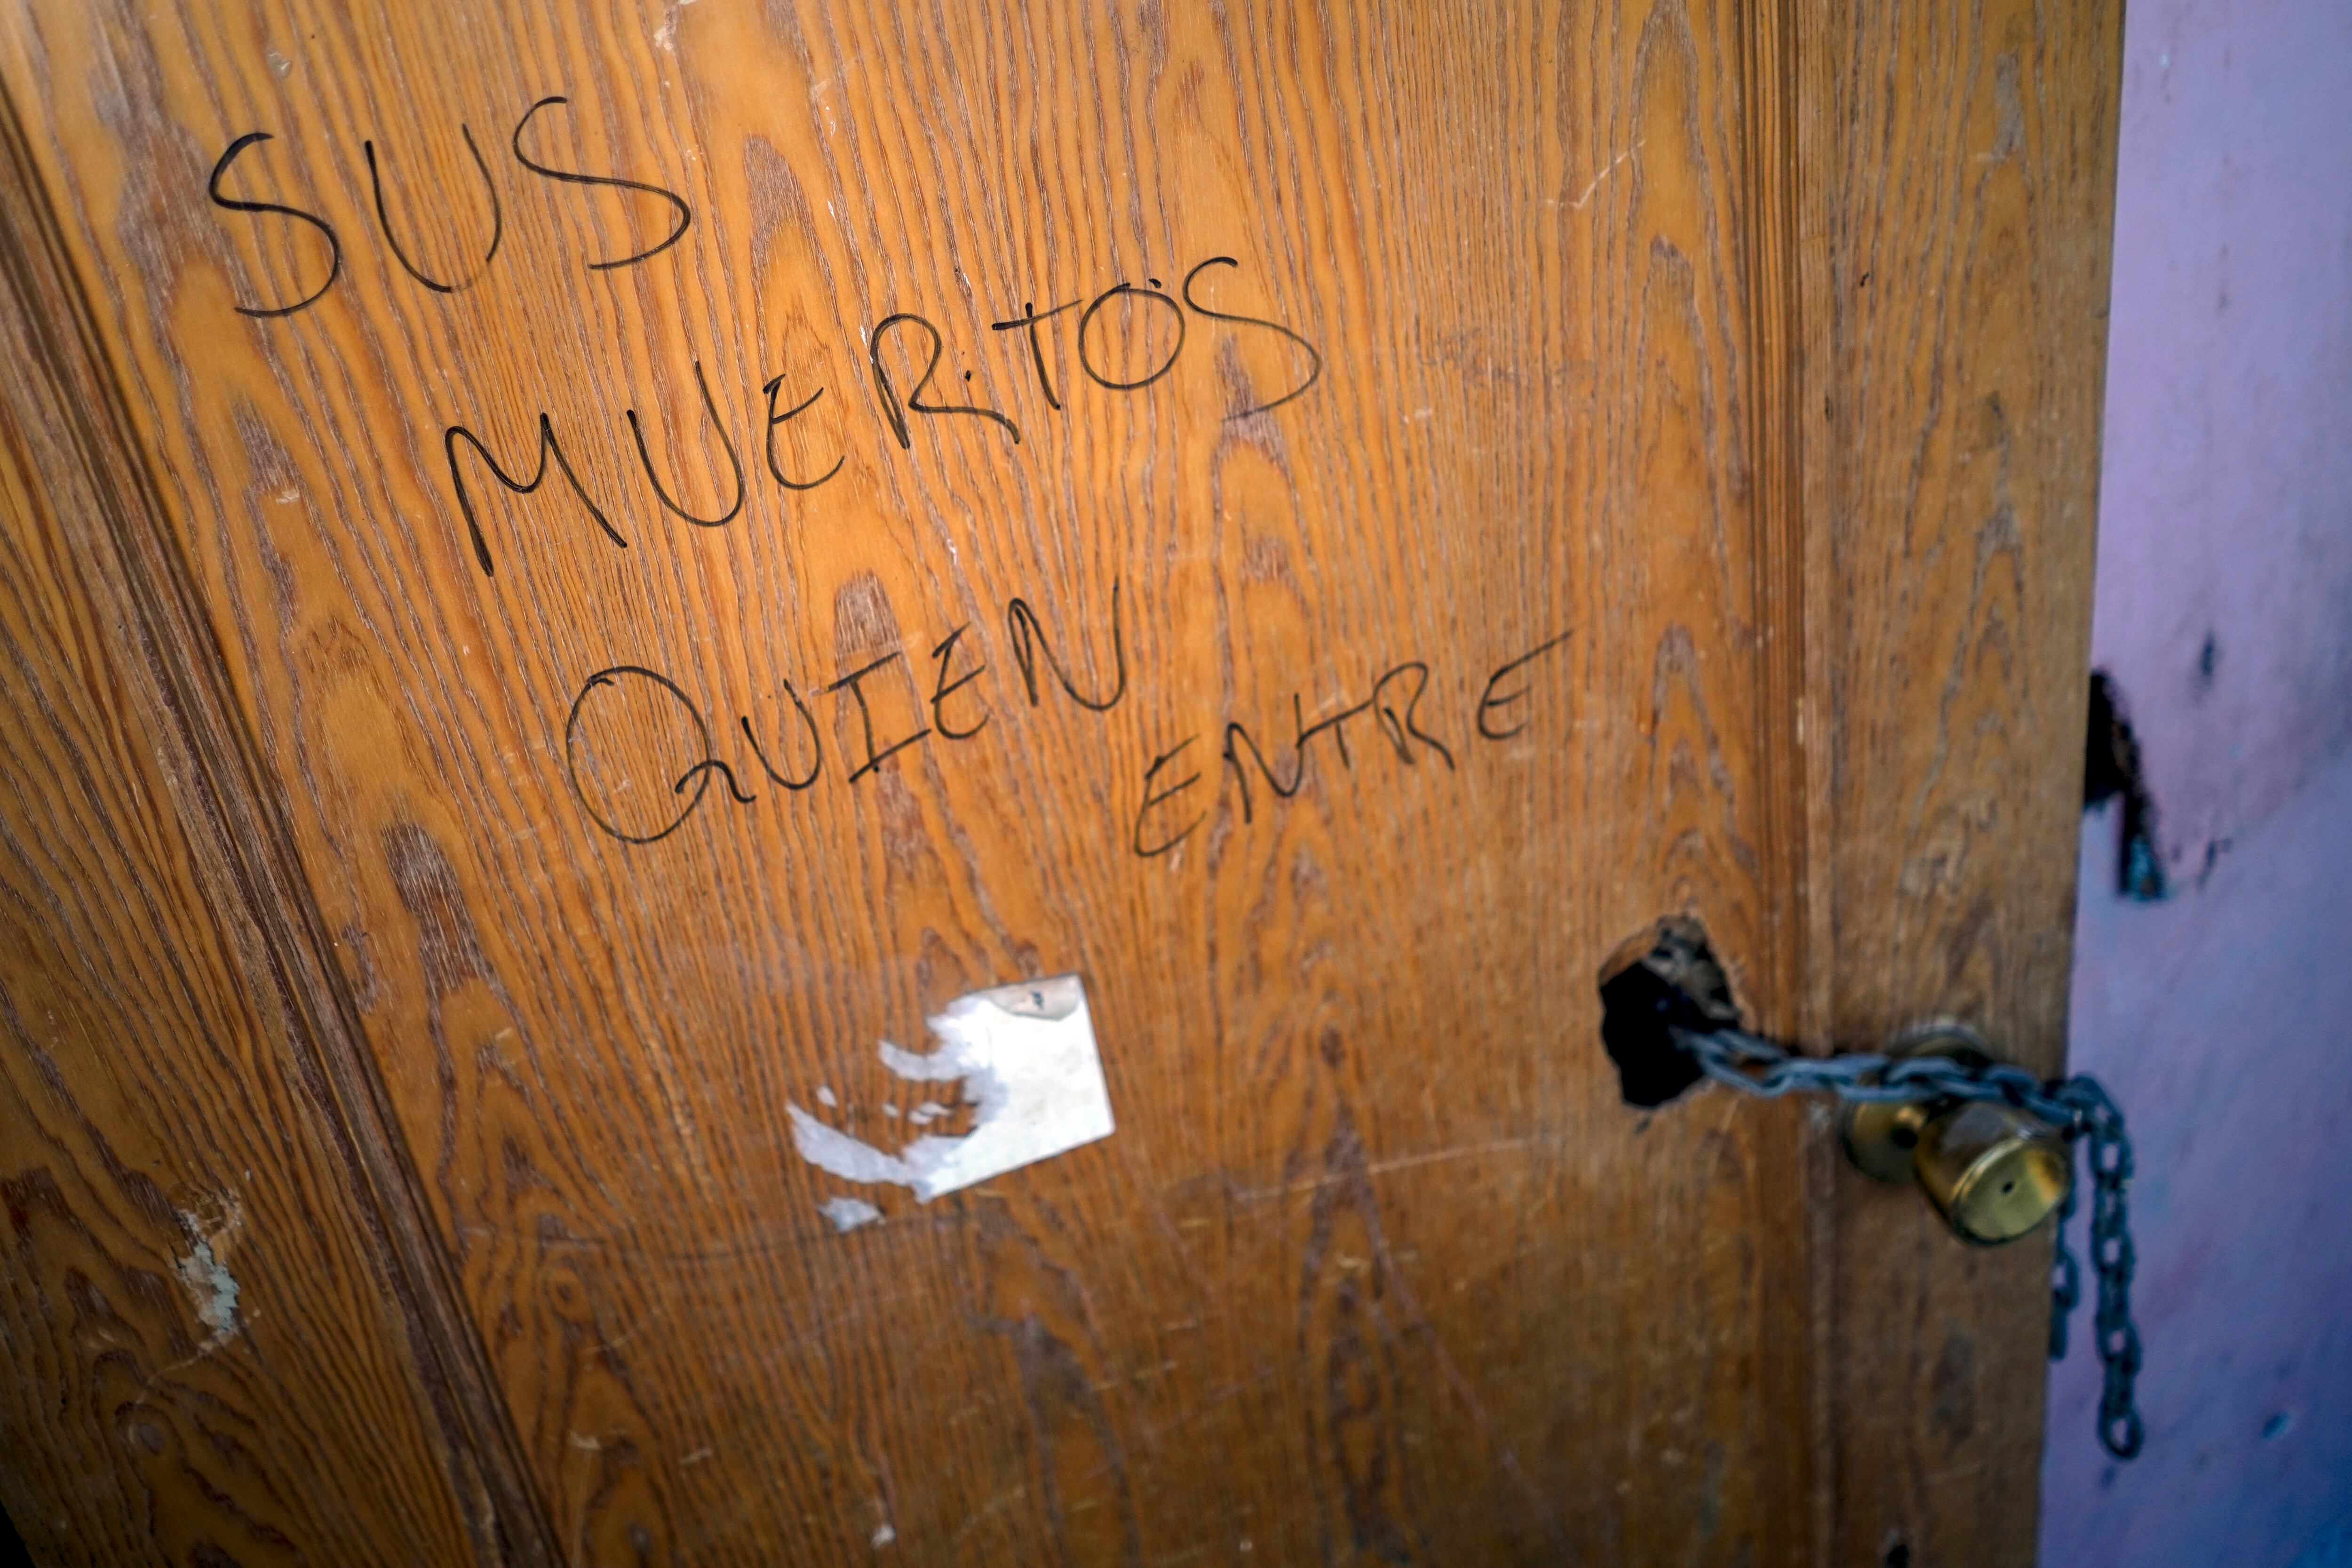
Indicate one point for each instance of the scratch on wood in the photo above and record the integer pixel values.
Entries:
(1614, 166)
(1399, 1163)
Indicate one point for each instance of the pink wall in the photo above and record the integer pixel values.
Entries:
(2222, 1017)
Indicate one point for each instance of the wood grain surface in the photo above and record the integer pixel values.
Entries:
(1959, 200)
(561, 528)
(211, 1359)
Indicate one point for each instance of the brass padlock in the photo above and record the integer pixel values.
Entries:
(1992, 1170)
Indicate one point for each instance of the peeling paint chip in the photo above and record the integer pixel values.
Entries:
(847, 1213)
(204, 1269)
(215, 1290)
(1026, 1056)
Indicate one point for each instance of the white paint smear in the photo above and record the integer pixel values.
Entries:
(216, 1291)
(204, 1271)
(1026, 1056)
(849, 1213)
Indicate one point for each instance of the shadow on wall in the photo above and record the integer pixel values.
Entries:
(2111, 771)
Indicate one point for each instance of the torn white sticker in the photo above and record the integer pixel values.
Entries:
(1026, 1056)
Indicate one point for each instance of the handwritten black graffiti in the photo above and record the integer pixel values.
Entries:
(682, 214)
(1169, 813)
(392, 240)
(1314, 370)
(887, 714)
(901, 406)
(278, 209)
(615, 679)
(1120, 290)
(1159, 323)
(775, 468)
(549, 447)
(1492, 701)
(734, 463)
(1393, 708)
(895, 408)
(878, 734)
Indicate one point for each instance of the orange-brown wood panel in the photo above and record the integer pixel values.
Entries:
(1959, 185)
(1472, 587)
(209, 1356)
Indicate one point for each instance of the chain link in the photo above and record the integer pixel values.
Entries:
(2077, 1106)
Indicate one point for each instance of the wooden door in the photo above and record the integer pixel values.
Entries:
(572, 571)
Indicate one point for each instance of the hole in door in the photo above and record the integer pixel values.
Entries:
(1667, 979)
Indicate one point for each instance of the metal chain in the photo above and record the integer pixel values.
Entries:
(2077, 1106)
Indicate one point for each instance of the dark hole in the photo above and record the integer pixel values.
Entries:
(2111, 767)
(2009, 1186)
(1898, 1555)
(2106, 772)
(1666, 980)
(1903, 1137)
